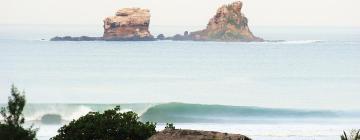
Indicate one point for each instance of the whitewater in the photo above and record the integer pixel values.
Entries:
(304, 87)
(257, 122)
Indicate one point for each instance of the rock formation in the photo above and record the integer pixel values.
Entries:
(179, 134)
(229, 24)
(128, 24)
(132, 24)
(81, 38)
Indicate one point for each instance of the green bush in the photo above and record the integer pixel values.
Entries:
(10, 132)
(12, 128)
(110, 125)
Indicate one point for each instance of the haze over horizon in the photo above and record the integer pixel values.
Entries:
(184, 13)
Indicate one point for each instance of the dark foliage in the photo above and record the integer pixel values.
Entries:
(110, 125)
(170, 126)
(10, 132)
(12, 128)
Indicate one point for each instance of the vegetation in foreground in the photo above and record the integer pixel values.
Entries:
(110, 125)
(354, 135)
(12, 126)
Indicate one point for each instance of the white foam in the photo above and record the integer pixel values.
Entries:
(67, 113)
(300, 41)
(80, 111)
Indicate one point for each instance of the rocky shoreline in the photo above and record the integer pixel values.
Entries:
(132, 24)
(183, 134)
(81, 38)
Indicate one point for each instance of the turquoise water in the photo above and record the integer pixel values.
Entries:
(192, 113)
(288, 86)
(256, 122)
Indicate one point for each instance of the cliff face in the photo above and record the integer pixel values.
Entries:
(128, 24)
(229, 24)
(195, 135)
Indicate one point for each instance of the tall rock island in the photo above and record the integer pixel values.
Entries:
(228, 24)
(128, 24)
(132, 24)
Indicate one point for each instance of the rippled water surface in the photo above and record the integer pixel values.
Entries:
(312, 69)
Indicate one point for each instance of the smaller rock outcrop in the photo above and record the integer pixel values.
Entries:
(228, 24)
(81, 38)
(179, 134)
(128, 24)
(161, 37)
(179, 37)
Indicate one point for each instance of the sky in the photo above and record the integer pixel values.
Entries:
(183, 12)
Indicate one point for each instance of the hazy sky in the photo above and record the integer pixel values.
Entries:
(183, 12)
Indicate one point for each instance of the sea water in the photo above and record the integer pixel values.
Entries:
(305, 87)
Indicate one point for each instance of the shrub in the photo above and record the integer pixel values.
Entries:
(170, 126)
(12, 128)
(110, 125)
(354, 135)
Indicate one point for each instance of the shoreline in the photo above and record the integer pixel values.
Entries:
(255, 131)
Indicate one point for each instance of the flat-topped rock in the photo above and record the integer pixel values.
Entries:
(128, 24)
(228, 24)
(179, 134)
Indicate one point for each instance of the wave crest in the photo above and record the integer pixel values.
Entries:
(182, 113)
(187, 113)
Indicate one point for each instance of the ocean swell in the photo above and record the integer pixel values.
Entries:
(182, 113)
(188, 113)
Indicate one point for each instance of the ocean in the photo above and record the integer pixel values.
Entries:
(303, 88)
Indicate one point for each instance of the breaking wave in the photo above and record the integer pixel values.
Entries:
(179, 112)
(187, 113)
(51, 113)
